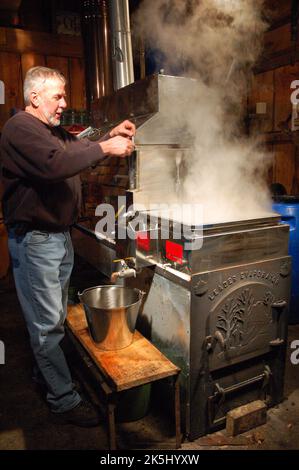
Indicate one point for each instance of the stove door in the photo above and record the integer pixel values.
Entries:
(239, 313)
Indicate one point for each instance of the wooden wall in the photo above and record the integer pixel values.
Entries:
(20, 50)
(278, 67)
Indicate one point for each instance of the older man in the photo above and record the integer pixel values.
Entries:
(42, 194)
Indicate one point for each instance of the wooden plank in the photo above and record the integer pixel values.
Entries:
(284, 165)
(2, 37)
(277, 39)
(280, 59)
(77, 82)
(262, 90)
(21, 41)
(283, 77)
(61, 64)
(30, 59)
(11, 75)
(139, 363)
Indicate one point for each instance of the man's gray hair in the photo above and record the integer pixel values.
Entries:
(36, 78)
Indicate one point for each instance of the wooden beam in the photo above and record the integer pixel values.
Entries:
(21, 41)
(278, 49)
(11, 75)
(276, 60)
(278, 137)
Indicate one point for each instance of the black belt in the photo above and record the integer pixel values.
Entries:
(22, 228)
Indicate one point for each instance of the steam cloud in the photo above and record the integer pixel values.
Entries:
(216, 42)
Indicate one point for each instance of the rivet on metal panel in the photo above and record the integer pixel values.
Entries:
(201, 288)
(285, 268)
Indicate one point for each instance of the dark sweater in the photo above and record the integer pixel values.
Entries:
(40, 166)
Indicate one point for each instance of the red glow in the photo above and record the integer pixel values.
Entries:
(174, 252)
(143, 241)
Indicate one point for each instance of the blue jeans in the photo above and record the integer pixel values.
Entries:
(42, 265)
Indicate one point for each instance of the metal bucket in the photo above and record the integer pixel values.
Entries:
(111, 313)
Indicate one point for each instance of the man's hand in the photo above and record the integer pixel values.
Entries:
(117, 147)
(125, 129)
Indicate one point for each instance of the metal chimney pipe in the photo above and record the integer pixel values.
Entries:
(122, 57)
(97, 49)
(105, 62)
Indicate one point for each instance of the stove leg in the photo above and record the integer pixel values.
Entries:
(111, 425)
(177, 411)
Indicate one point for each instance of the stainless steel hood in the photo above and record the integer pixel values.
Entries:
(148, 103)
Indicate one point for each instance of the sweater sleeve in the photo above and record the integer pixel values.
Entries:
(42, 157)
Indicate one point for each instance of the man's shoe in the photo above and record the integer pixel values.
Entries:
(84, 415)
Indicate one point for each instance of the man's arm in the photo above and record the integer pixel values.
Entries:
(46, 159)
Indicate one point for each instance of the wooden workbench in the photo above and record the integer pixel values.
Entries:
(123, 369)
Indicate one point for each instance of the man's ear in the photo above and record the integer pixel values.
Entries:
(35, 100)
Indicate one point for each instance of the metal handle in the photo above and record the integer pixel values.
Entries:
(219, 337)
(279, 304)
(264, 377)
(212, 340)
(277, 342)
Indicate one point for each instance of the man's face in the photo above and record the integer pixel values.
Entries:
(52, 101)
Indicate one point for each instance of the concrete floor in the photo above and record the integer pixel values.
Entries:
(26, 423)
